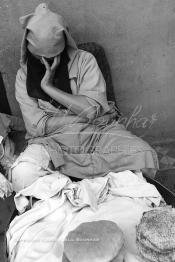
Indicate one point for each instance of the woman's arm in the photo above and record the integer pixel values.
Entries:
(34, 117)
(78, 104)
(37, 122)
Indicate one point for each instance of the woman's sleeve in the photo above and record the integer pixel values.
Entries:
(34, 117)
(92, 83)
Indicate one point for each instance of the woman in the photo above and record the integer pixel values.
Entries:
(70, 124)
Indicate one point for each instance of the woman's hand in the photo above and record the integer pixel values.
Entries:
(47, 80)
(78, 104)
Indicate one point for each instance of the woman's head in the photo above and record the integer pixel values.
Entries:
(46, 34)
(45, 43)
(42, 46)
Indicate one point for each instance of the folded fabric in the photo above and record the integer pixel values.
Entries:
(5, 187)
(62, 204)
(87, 192)
(39, 233)
(128, 184)
(80, 194)
(43, 188)
(156, 235)
(25, 229)
(1, 138)
(97, 241)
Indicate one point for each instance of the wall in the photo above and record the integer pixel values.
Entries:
(139, 39)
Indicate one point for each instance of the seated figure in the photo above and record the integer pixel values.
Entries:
(71, 127)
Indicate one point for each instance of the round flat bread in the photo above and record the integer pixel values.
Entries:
(150, 255)
(97, 241)
(119, 258)
(157, 229)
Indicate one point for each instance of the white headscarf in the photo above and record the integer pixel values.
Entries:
(44, 31)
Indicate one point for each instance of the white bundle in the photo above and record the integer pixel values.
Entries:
(5, 187)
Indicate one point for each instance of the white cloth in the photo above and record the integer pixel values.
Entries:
(5, 187)
(44, 188)
(129, 184)
(80, 194)
(1, 138)
(38, 234)
(88, 192)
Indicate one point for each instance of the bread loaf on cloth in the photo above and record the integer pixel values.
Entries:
(97, 241)
(156, 235)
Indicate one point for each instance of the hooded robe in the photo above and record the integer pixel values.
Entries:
(77, 149)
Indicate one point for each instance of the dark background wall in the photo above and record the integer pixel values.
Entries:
(139, 40)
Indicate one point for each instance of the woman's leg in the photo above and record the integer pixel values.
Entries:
(117, 150)
(29, 166)
(125, 151)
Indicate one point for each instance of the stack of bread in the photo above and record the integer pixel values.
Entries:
(156, 235)
(97, 241)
